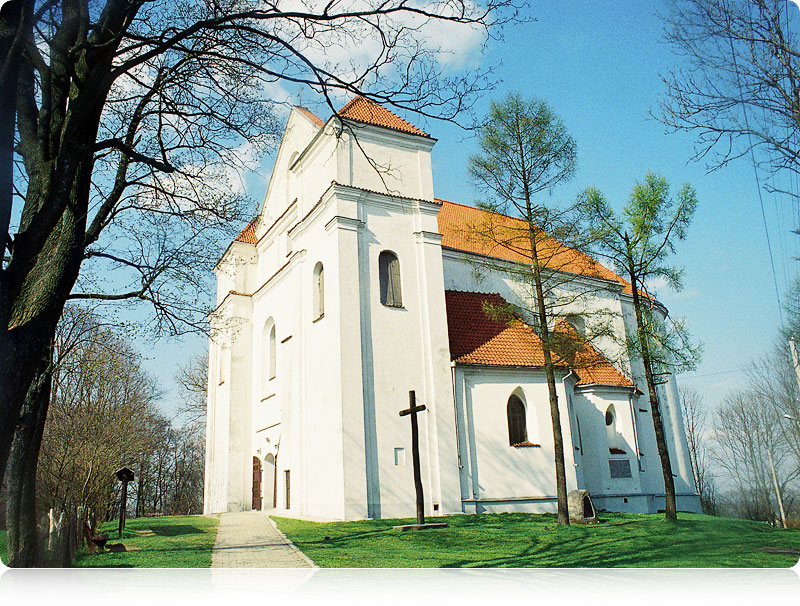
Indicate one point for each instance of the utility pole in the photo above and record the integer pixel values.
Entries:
(777, 489)
(795, 361)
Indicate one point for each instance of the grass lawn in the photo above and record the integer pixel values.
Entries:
(168, 542)
(534, 540)
(3, 547)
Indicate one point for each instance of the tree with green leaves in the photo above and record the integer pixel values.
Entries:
(525, 150)
(639, 242)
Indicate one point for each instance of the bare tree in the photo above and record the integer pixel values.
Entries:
(121, 123)
(740, 87)
(772, 380)
(193, 379)
(748, 435)
(102, 403)
(696, 426)
(128, 116)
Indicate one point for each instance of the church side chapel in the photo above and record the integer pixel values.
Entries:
(354, 286)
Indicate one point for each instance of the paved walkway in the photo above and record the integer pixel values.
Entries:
(249, 539)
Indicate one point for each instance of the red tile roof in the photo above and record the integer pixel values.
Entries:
(248, 234)
(477, 338)
(589, 364)
(361, 109)
(463, 228)
(311, 116)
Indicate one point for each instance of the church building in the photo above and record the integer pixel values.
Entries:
(356, 285)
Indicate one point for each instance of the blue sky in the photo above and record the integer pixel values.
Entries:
(598, 65)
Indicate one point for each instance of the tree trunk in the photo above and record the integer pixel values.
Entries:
(670, 508)
(555, 414)
(21, 523)
(11, 16)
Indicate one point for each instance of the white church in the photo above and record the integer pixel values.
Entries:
(355, 285)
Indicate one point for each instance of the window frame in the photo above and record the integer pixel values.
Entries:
(390, 279)
(272, 350)
(318, 284)
(517, 421)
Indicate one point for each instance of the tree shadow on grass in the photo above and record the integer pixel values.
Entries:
(178, 530)
(341, 540)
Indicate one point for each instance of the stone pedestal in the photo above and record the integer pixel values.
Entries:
(581, 508)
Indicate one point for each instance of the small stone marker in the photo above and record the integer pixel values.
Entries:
(412, 410)
(581, 507)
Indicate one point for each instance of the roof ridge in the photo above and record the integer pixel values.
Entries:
(474, 292)
(248, 233)
(310, 115)
(366, 111)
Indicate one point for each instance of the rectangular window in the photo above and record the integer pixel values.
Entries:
(620, 468)
(400, 457)
(288, 491)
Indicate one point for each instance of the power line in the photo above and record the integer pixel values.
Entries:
(710, 374)
(758, 180)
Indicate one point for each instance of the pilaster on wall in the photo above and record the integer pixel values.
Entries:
(438, 396)
(239, 495)
(357, 401)
(681, 463)
(570, 468)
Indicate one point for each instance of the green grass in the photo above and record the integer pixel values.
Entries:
(168, 542)
(534, 540)
(3, 546)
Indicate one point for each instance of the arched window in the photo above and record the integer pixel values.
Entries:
(389, 277)
(224, 363)
(578, 323)
(611, 416)
(319, 291)
(270, 349)
(616, 443)
(517, 427)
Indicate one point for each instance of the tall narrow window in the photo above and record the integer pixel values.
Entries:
(517, 427)
(273, 350)
(389, 277)
(288, 490)
(269, 344)
(319, 291)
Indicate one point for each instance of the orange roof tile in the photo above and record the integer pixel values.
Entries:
(476, 338)
(589, 364)
(463, 228)
(311, 116)
(248, 234)
(361, 109)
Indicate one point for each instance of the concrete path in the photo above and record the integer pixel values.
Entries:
(249, 539)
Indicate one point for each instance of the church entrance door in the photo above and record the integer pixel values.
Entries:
(257, 474)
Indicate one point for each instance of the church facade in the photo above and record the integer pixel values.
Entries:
(356, 285)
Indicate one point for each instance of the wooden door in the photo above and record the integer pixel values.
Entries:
(257, 474)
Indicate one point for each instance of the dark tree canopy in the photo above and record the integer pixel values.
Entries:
(124, 123)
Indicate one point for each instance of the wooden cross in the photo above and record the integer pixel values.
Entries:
(412, 410)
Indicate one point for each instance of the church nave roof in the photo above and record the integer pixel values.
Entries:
(477, 338)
